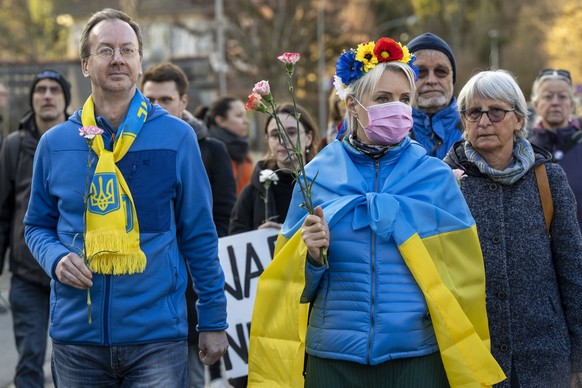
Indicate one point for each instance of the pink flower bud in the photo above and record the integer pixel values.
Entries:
(262, 88)
(459, 174)
(90, 132)
(290, 58)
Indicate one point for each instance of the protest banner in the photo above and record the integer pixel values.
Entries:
(243, 258)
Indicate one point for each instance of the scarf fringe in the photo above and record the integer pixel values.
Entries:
(102, 247)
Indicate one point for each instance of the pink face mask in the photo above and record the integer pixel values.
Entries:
(388, 123)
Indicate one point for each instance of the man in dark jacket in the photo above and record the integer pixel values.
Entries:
(30, 286)
(167, 85)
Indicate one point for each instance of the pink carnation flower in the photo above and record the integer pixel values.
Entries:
(290, 58)
(262, 88)
(90, 132)
(253, 102)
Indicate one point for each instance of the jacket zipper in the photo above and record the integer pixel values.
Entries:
(106, 338)
(373, 253)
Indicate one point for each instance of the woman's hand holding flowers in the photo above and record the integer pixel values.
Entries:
(315, 234)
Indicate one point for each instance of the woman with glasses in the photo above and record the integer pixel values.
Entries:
(264, 202)
(533, 271)
(556, 129)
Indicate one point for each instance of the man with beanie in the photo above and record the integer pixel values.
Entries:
(437, 123)
(30, 286)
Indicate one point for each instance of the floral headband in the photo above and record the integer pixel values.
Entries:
(353, 64)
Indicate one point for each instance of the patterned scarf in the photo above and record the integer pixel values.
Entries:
(112, 231)
(522, 159)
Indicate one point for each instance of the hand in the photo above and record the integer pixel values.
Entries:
(576, 380)
(212, 345)
(72, 271)
(270, 224)
(315, 233)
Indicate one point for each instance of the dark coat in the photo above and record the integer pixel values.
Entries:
(568, 156)
(533, 282)
(219, 170)
(249, 210)
(14, 196)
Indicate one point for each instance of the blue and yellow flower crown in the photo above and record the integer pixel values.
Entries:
(353, 64)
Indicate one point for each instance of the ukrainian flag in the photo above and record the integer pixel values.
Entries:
(421, 207)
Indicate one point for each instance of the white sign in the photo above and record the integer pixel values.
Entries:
(243, 258)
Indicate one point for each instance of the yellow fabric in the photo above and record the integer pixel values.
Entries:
(277, 345)
(112, 246)
(461, 330)
(279, 323)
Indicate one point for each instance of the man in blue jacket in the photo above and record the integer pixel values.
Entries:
(437, 124)
(114, 219)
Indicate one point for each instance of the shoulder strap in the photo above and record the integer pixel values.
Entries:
(545, 194)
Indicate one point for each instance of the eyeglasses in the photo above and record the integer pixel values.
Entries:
(109, 52)
(163, 100)
(556, 72)
(276, 135)
(495, 114)
(43, 89)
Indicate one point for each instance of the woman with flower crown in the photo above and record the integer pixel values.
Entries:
(264, 202)
(384, 285)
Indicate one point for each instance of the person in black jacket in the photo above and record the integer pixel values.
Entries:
(167, 85)
(30, 285)
(257, 207)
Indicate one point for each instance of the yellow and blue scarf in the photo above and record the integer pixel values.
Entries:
(421, 207)
(112, 230)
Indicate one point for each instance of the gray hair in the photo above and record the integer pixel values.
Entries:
(367, 83)
(107, 14)
(537, 85)
(496, 85)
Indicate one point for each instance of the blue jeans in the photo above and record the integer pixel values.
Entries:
(160, 364)
(30, 316)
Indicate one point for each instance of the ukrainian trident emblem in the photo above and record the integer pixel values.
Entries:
(104, 194)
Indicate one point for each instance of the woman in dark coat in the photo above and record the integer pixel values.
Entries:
(556, 129)
(533, 278)
(258, 207)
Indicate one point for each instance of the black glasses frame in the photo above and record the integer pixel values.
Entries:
(466, 112)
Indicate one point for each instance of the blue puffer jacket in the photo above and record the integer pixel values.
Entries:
(166, 177)
(367, 307)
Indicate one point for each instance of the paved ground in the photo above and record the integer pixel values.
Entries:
(8, 355)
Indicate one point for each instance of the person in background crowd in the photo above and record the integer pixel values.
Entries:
(556, 128)
(167, 85)
(533, 264)
(50, 95)
(258, 207)
(437, 124)
(135, 254)
(227, 121)
(335, 116)
(389, 263)
(3, 98)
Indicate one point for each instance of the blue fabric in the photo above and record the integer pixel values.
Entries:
(171, 193)
(367, 307)
(156, 365)
(30, 317)
(444, 125)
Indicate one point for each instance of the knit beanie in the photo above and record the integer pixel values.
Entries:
(54, 75)
(428, 41)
